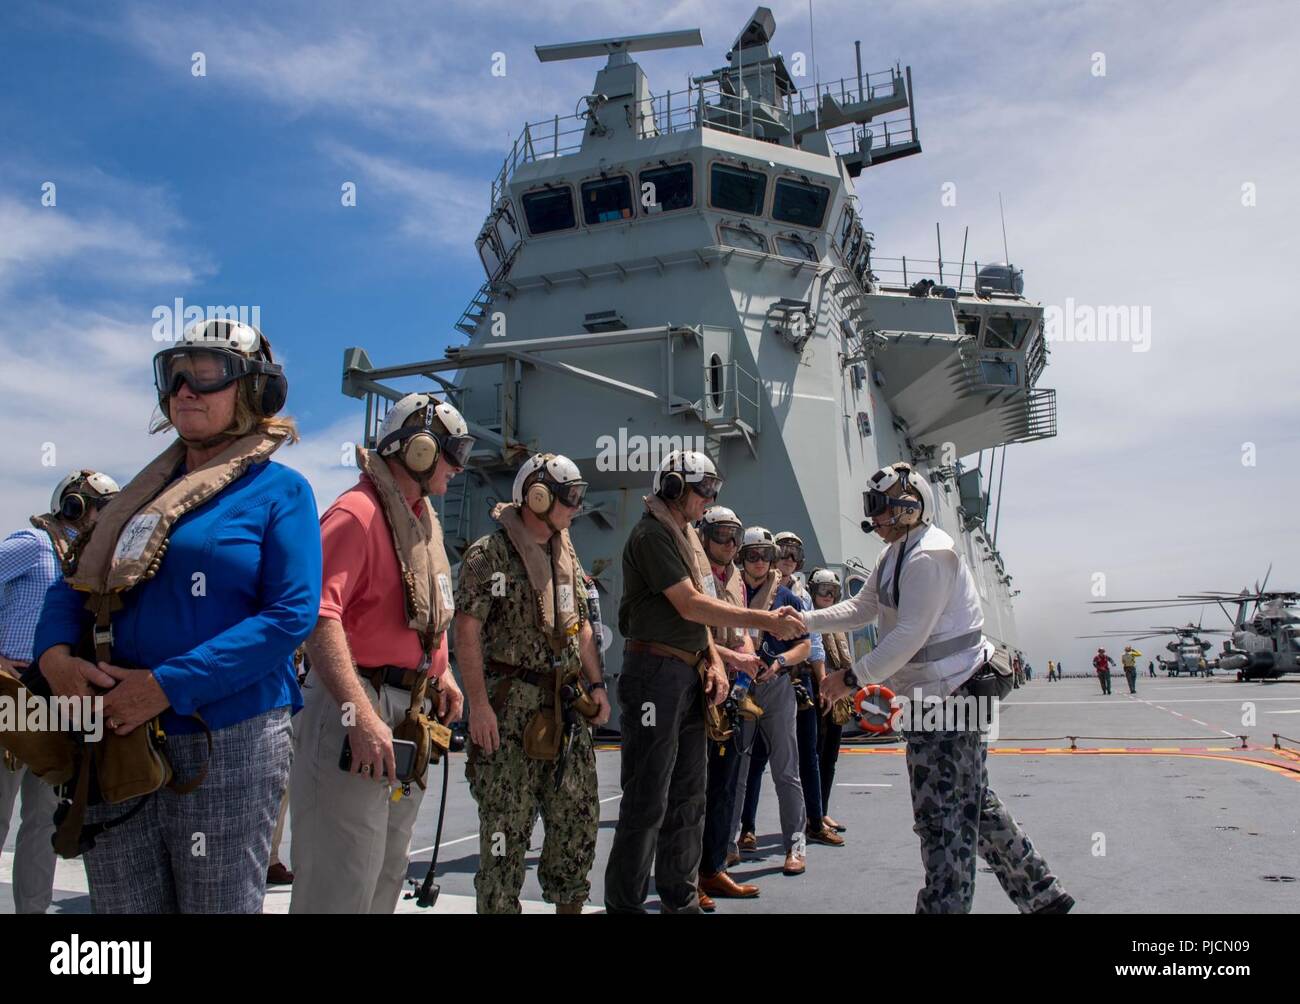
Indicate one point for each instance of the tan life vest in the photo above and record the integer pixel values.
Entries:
(127, 542)
(838, 652)
(554, 582)
(57, 531)
(426, 572)
(733, 592)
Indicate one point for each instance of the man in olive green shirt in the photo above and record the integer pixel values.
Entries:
(667, 606)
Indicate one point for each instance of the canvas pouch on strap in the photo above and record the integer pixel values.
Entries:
(49, 755)
(994, 678)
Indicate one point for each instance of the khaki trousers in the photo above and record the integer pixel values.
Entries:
(349, 841)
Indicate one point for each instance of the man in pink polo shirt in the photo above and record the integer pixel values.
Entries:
(386, 601)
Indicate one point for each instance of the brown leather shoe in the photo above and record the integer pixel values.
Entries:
(724, 886)
(706, 901)
(825, 836)
(278, 874)
(748, 842)
(568, 908)
(794, 864)
(830, 824)
(732, 859)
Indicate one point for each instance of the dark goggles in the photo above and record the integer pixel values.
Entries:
(826, 589)
(457, 449)
(571, 493)
(794, 552)
(724, 533)
(707, 487)
(758, 552)
(204, 370)
(877, 503)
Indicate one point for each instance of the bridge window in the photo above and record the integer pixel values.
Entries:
(549, 210)
(1006, 332)
(970, 325)
(999, 372)
(846, 227)
(607, 200)
(736, 190)
(674, 188)
(799, 203)
(794, 246)
(742, 237)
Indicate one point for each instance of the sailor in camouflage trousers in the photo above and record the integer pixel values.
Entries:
(957, 816)
(509, 655)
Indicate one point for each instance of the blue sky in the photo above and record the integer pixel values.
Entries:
(1122, 189)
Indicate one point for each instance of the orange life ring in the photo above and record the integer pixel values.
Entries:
(863, 696)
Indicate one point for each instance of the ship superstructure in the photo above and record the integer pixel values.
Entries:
(694, 269)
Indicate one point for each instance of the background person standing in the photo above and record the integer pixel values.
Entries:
(30, 562)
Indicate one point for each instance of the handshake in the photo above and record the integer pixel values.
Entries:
(787, 623)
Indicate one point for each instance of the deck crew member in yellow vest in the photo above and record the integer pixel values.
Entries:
(378, 648)
(525, 650)
(30, 562)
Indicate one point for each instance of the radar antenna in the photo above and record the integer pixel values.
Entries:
(618, 48)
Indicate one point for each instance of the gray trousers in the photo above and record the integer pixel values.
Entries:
(33, 853)
(957, 816)
(205, 852)
(776, 698)
(349, 841)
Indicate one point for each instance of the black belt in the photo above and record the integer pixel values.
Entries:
(390, 676)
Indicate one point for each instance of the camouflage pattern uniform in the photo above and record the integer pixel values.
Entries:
(958, 816)
(509, 787)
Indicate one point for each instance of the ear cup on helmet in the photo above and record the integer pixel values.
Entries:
(420, 452)
(275, 391)
(539, 498)
(672, 485)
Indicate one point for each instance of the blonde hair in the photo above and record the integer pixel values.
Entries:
(247, 419)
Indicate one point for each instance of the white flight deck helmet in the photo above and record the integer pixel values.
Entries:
(788, 538)
(821, 578)
(78, 491)
(716, 518)
(876, 503)
(240, 349)
(418, 447)
(546, 478)
(686, 468)
(758, 538)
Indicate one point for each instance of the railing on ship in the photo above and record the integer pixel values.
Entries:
(716, 103)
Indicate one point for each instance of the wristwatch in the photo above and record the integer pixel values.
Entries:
(850, 679)
(780, 660)
(598, 685)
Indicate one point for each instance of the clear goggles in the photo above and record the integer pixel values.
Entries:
(203, 370)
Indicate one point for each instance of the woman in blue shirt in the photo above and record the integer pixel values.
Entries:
(215, 626)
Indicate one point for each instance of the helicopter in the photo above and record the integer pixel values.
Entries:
(1265, 640)
(1187, 648)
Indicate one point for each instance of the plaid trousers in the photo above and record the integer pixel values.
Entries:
(205, 852)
